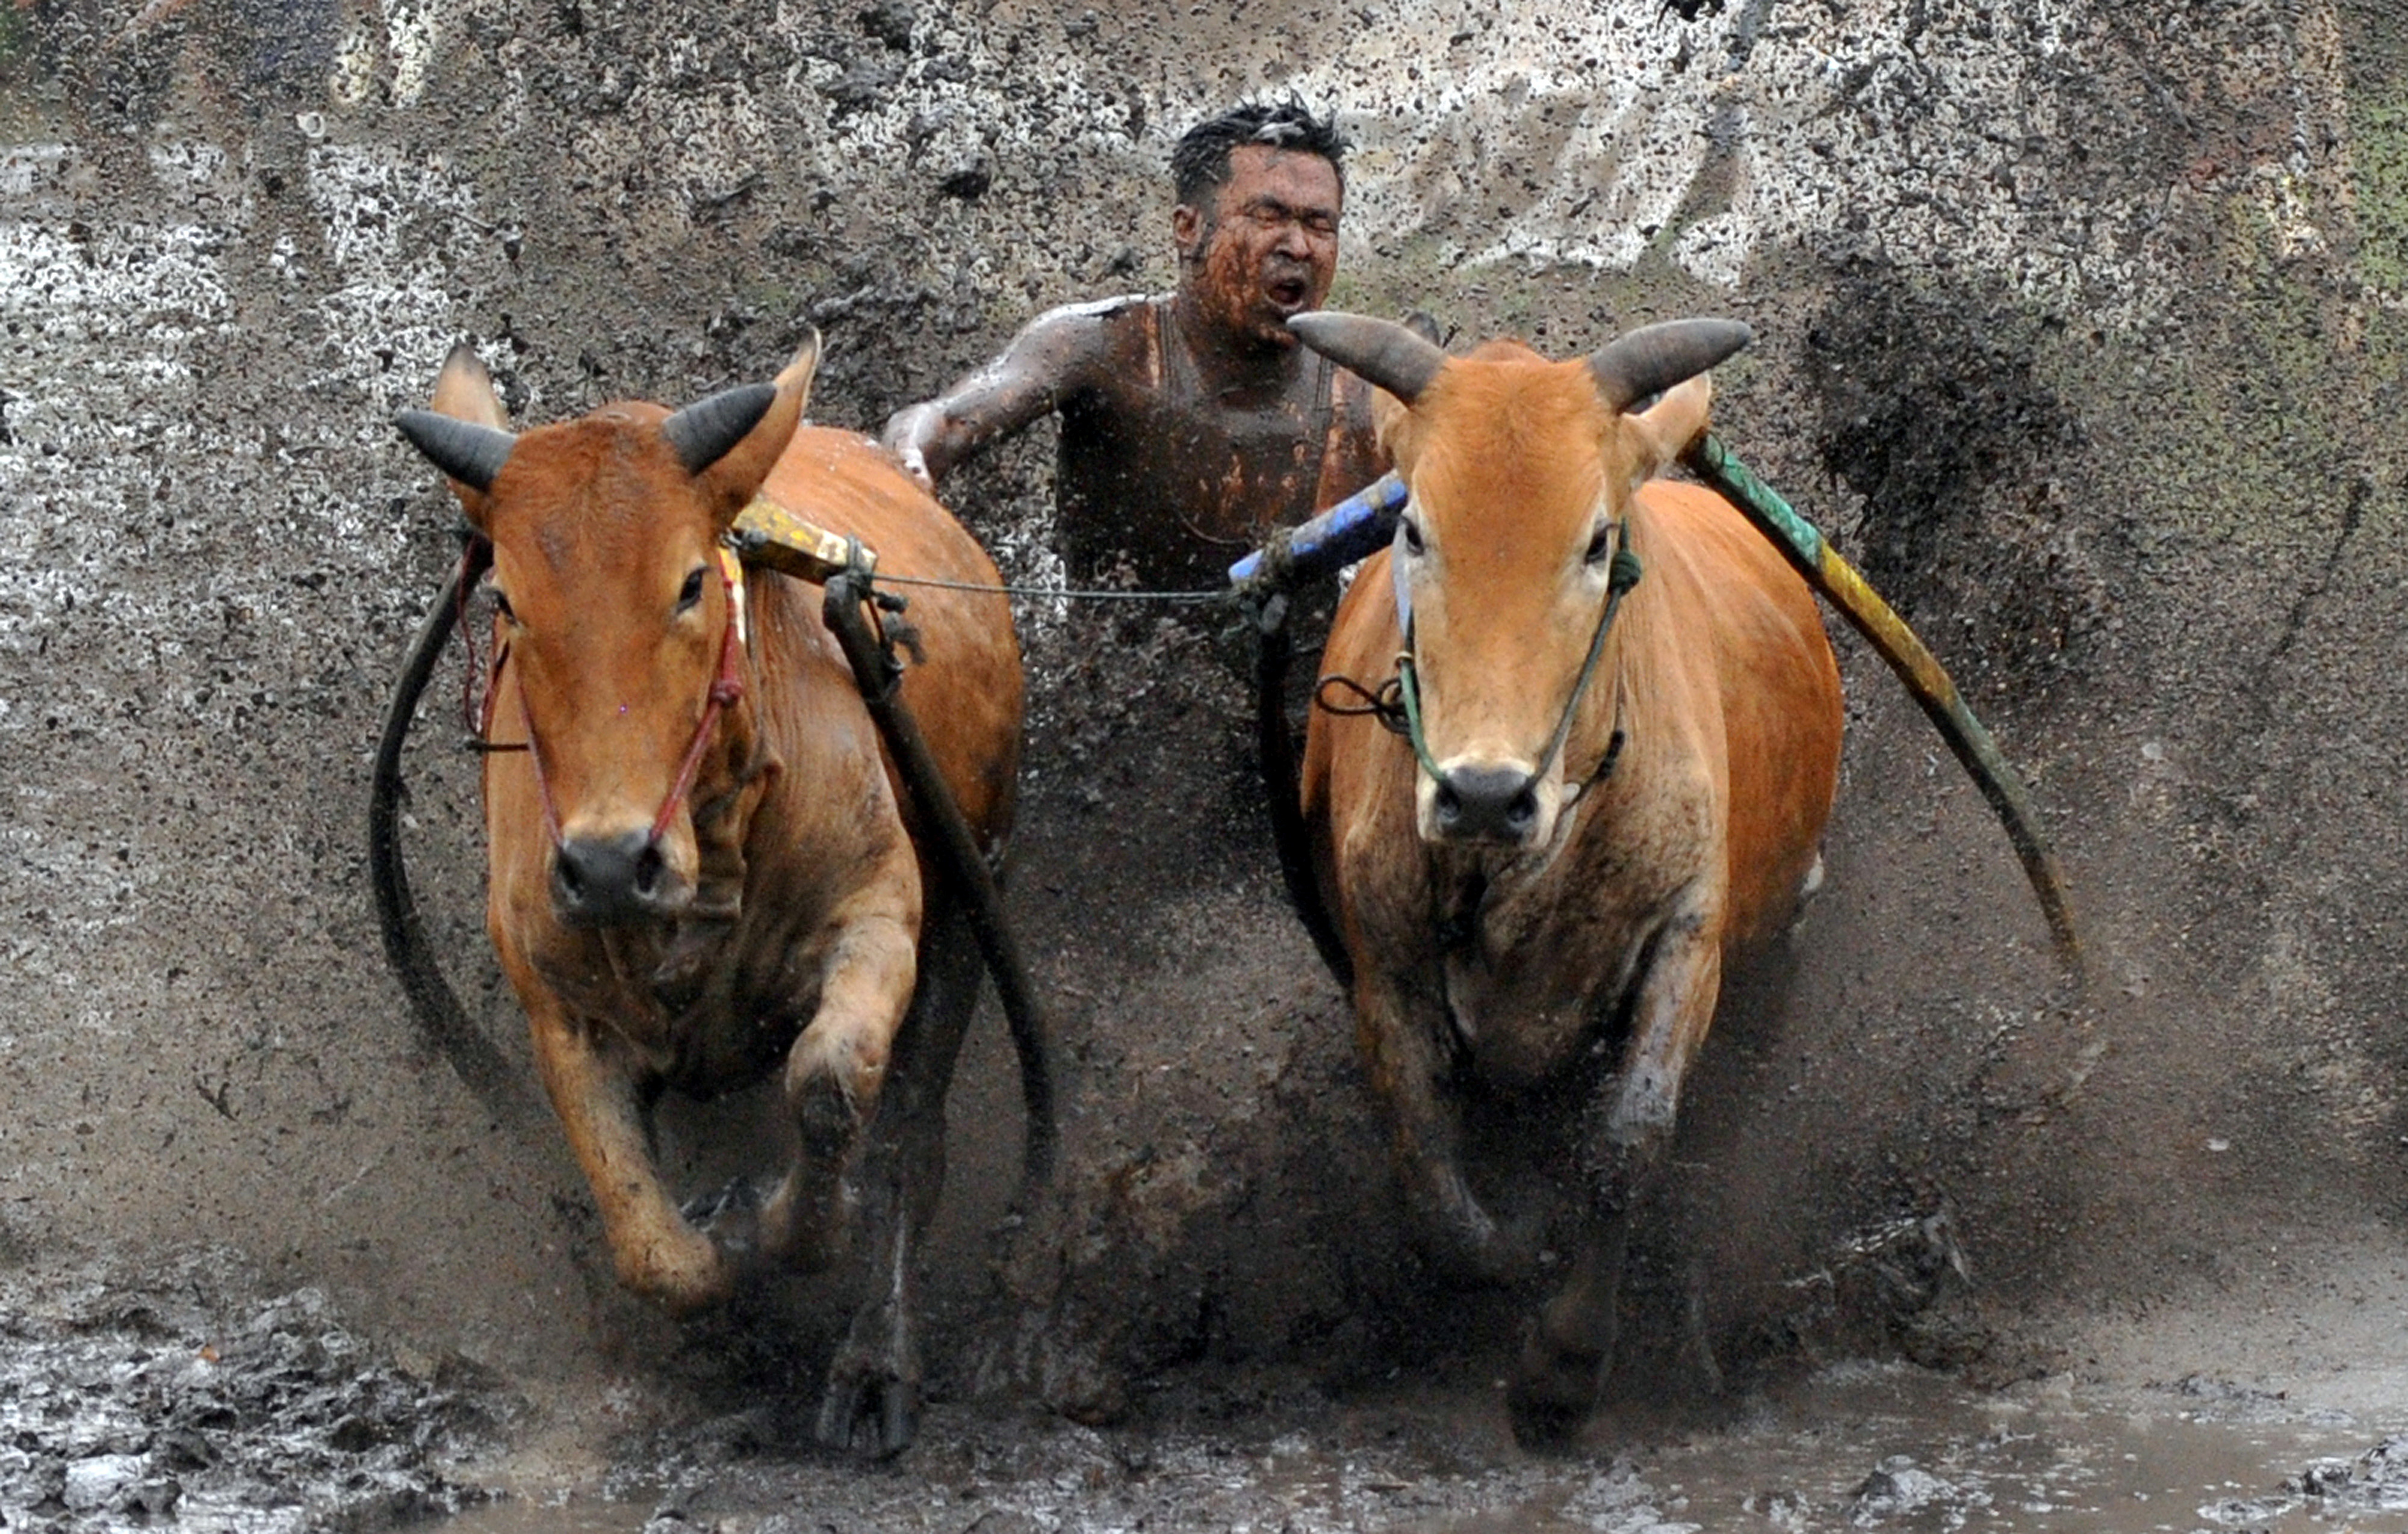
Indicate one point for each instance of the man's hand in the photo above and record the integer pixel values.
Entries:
(908, 433)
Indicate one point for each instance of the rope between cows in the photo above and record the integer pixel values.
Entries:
(1067, 593)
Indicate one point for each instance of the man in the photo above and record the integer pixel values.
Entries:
(1194, 424)
(1191, 425)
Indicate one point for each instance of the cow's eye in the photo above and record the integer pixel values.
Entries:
(691, 593)
(1601, 544)
(502, 605)
(1413, 537)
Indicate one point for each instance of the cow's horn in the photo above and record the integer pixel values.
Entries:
(469, 452)
(1653, 358)
(1381, 351)
(703, 430)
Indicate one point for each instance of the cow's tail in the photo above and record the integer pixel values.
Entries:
(1813, 557)
(444, 1024)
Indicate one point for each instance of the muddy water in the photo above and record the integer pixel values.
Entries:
(171, 1401)
(1857, 1446)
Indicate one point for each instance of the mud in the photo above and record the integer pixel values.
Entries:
(1850, 1445)
(171, 1400)
(2081, 322)
(164, 1400)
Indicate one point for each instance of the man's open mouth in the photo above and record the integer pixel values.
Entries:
(1289, 293)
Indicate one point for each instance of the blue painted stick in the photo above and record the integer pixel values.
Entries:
(1355, 528)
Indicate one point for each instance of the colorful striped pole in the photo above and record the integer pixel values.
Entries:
(1813, 557)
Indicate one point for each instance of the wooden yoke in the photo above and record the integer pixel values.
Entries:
(768, 535)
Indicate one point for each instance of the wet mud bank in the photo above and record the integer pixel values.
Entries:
(177, 1398)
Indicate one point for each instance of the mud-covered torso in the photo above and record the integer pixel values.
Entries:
(1165, 479)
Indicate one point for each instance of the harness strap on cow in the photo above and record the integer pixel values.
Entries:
(444, 1024)
(850, 601)
(727, 691)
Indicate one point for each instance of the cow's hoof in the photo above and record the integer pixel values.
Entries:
(869, 1412)
(872, 1405)
(1551, 1396)
(731, 1219)
(1472, 1250)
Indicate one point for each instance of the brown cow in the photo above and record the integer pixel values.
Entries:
(1601, 806)
(655, 698)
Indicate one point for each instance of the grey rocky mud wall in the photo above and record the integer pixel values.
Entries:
(2081, 326)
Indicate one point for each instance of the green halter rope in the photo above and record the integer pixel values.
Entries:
(1620, 579)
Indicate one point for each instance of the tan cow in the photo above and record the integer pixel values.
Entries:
(1547, 876)
(654, 697)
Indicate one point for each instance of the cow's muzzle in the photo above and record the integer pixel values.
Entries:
(598, 880)
(1483, 802)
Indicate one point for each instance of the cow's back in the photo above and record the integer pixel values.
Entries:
(1773, 672)
(967, 696)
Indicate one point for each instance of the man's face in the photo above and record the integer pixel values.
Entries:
(1268, 246)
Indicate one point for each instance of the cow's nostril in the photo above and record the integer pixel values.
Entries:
(1486, 803)
(610, 878)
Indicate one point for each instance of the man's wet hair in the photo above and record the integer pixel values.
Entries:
(1200, 163)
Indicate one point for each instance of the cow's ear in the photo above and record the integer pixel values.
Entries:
(1657, 436)
(1392, 428)
(798, 375)
(464, 391)
(733, 477)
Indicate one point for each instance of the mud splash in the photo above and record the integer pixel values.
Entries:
(153, 1403)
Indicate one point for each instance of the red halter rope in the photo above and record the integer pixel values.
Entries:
(727, 691)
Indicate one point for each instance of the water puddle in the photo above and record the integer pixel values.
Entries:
(555, 1513)
(1889, 1447)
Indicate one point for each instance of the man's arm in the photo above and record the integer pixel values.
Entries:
(1057, 356)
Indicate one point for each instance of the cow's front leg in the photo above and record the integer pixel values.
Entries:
(836, 1069)
(594, 1092)
(874, 1383)
(1403, 1030)
(1624, 1146)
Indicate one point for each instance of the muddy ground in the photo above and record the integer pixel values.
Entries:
(2081, 328)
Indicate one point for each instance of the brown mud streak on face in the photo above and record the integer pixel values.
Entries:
(1182, 461)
